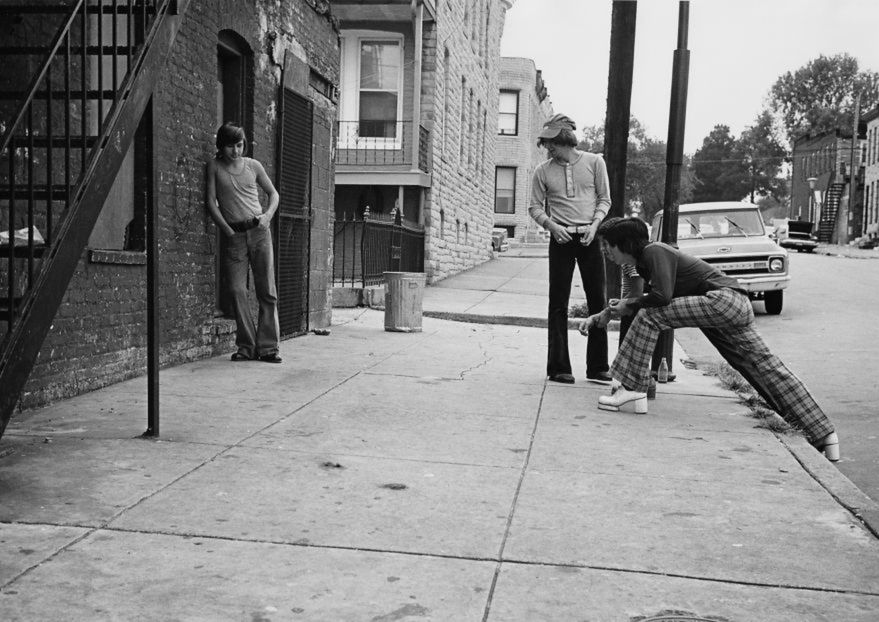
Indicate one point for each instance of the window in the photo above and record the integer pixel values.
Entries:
(470, 130)
(372, 86)
(505, 190)
(462, 127)
(508, 113)
(380, 65)
(446, 88)
(122, 222)
(483, 169)
(480, 146)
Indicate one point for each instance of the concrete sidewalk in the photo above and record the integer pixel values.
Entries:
(422, 476)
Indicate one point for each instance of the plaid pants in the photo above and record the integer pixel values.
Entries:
(726, 318)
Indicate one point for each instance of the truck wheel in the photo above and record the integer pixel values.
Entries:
(773, 302)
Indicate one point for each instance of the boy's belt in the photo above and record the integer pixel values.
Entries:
(244, 225)
(577, 228)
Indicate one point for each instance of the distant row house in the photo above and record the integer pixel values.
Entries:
(827, 183)
(522, 109)
(870, 217)
(415, 144)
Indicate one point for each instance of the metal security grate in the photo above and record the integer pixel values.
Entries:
(292, 241)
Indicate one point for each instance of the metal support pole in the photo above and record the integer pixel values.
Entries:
(854, 169)
(616, 124)
(677, 117)
(152, 278)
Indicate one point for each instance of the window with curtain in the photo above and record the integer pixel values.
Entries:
(379, 88)
(505, 190)
(508, 113)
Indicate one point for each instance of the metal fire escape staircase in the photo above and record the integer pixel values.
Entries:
(64, 137)
(829, 212)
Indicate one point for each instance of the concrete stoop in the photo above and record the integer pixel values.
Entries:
(350, 297)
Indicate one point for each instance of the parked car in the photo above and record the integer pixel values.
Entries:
(799, 236)
(499, 239)
(731, 236)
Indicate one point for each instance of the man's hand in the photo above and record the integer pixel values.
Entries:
(559, 233)
(264, 221)
(597, 320)
(590, 234)
(620, 307)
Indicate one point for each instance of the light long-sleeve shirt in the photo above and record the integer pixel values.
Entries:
(570, 194)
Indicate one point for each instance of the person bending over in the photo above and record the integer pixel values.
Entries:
(681, 291)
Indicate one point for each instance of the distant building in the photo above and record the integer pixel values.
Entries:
(870, 215)
(825, 188)
(522, 109)
(415, 136)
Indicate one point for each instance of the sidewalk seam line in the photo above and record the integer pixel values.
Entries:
(524, 470)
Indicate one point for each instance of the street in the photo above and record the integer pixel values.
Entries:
(827, 335)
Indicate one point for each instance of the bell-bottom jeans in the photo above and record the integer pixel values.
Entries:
(726, 318)
(590, 262)
(252, 249)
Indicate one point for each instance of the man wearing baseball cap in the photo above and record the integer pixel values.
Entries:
(570, 197)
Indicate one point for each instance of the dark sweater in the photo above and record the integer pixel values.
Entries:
(668, 273)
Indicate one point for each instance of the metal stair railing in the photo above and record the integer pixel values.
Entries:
(65, 108)
(829, 212)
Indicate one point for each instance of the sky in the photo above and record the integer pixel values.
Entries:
(738, 49)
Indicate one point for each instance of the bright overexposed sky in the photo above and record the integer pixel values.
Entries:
(738, 49)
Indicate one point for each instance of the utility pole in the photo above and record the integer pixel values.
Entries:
(674, 158)
(616, 123)
(853, 175)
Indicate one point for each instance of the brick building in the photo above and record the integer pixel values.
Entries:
(417, 121)
(825, 188)
(870, 214)
(270, 66)
(523, 108)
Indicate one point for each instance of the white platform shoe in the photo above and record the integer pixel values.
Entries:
(623, 399)
(829, 446)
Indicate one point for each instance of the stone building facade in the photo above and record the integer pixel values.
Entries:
(444, 99)
(227, 63)
(522, 109)
(870, 215)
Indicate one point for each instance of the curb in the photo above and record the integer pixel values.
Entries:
(833, 481)
(509, 320)
(838, 486)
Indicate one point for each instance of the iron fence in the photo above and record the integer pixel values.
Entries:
(364, 249)
(380, 143)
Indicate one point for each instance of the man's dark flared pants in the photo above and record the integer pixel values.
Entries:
(590, 261)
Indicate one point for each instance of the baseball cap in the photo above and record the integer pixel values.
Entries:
(555, 125)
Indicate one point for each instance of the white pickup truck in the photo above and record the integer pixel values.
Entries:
(730, 235)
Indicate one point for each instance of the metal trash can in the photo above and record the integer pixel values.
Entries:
(403, 295)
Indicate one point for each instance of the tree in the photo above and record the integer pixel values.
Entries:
(763, 156)
(645, 175)
(593, 139)
(820, 95)
(721, 174)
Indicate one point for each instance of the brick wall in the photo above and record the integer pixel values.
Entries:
(99, 334)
